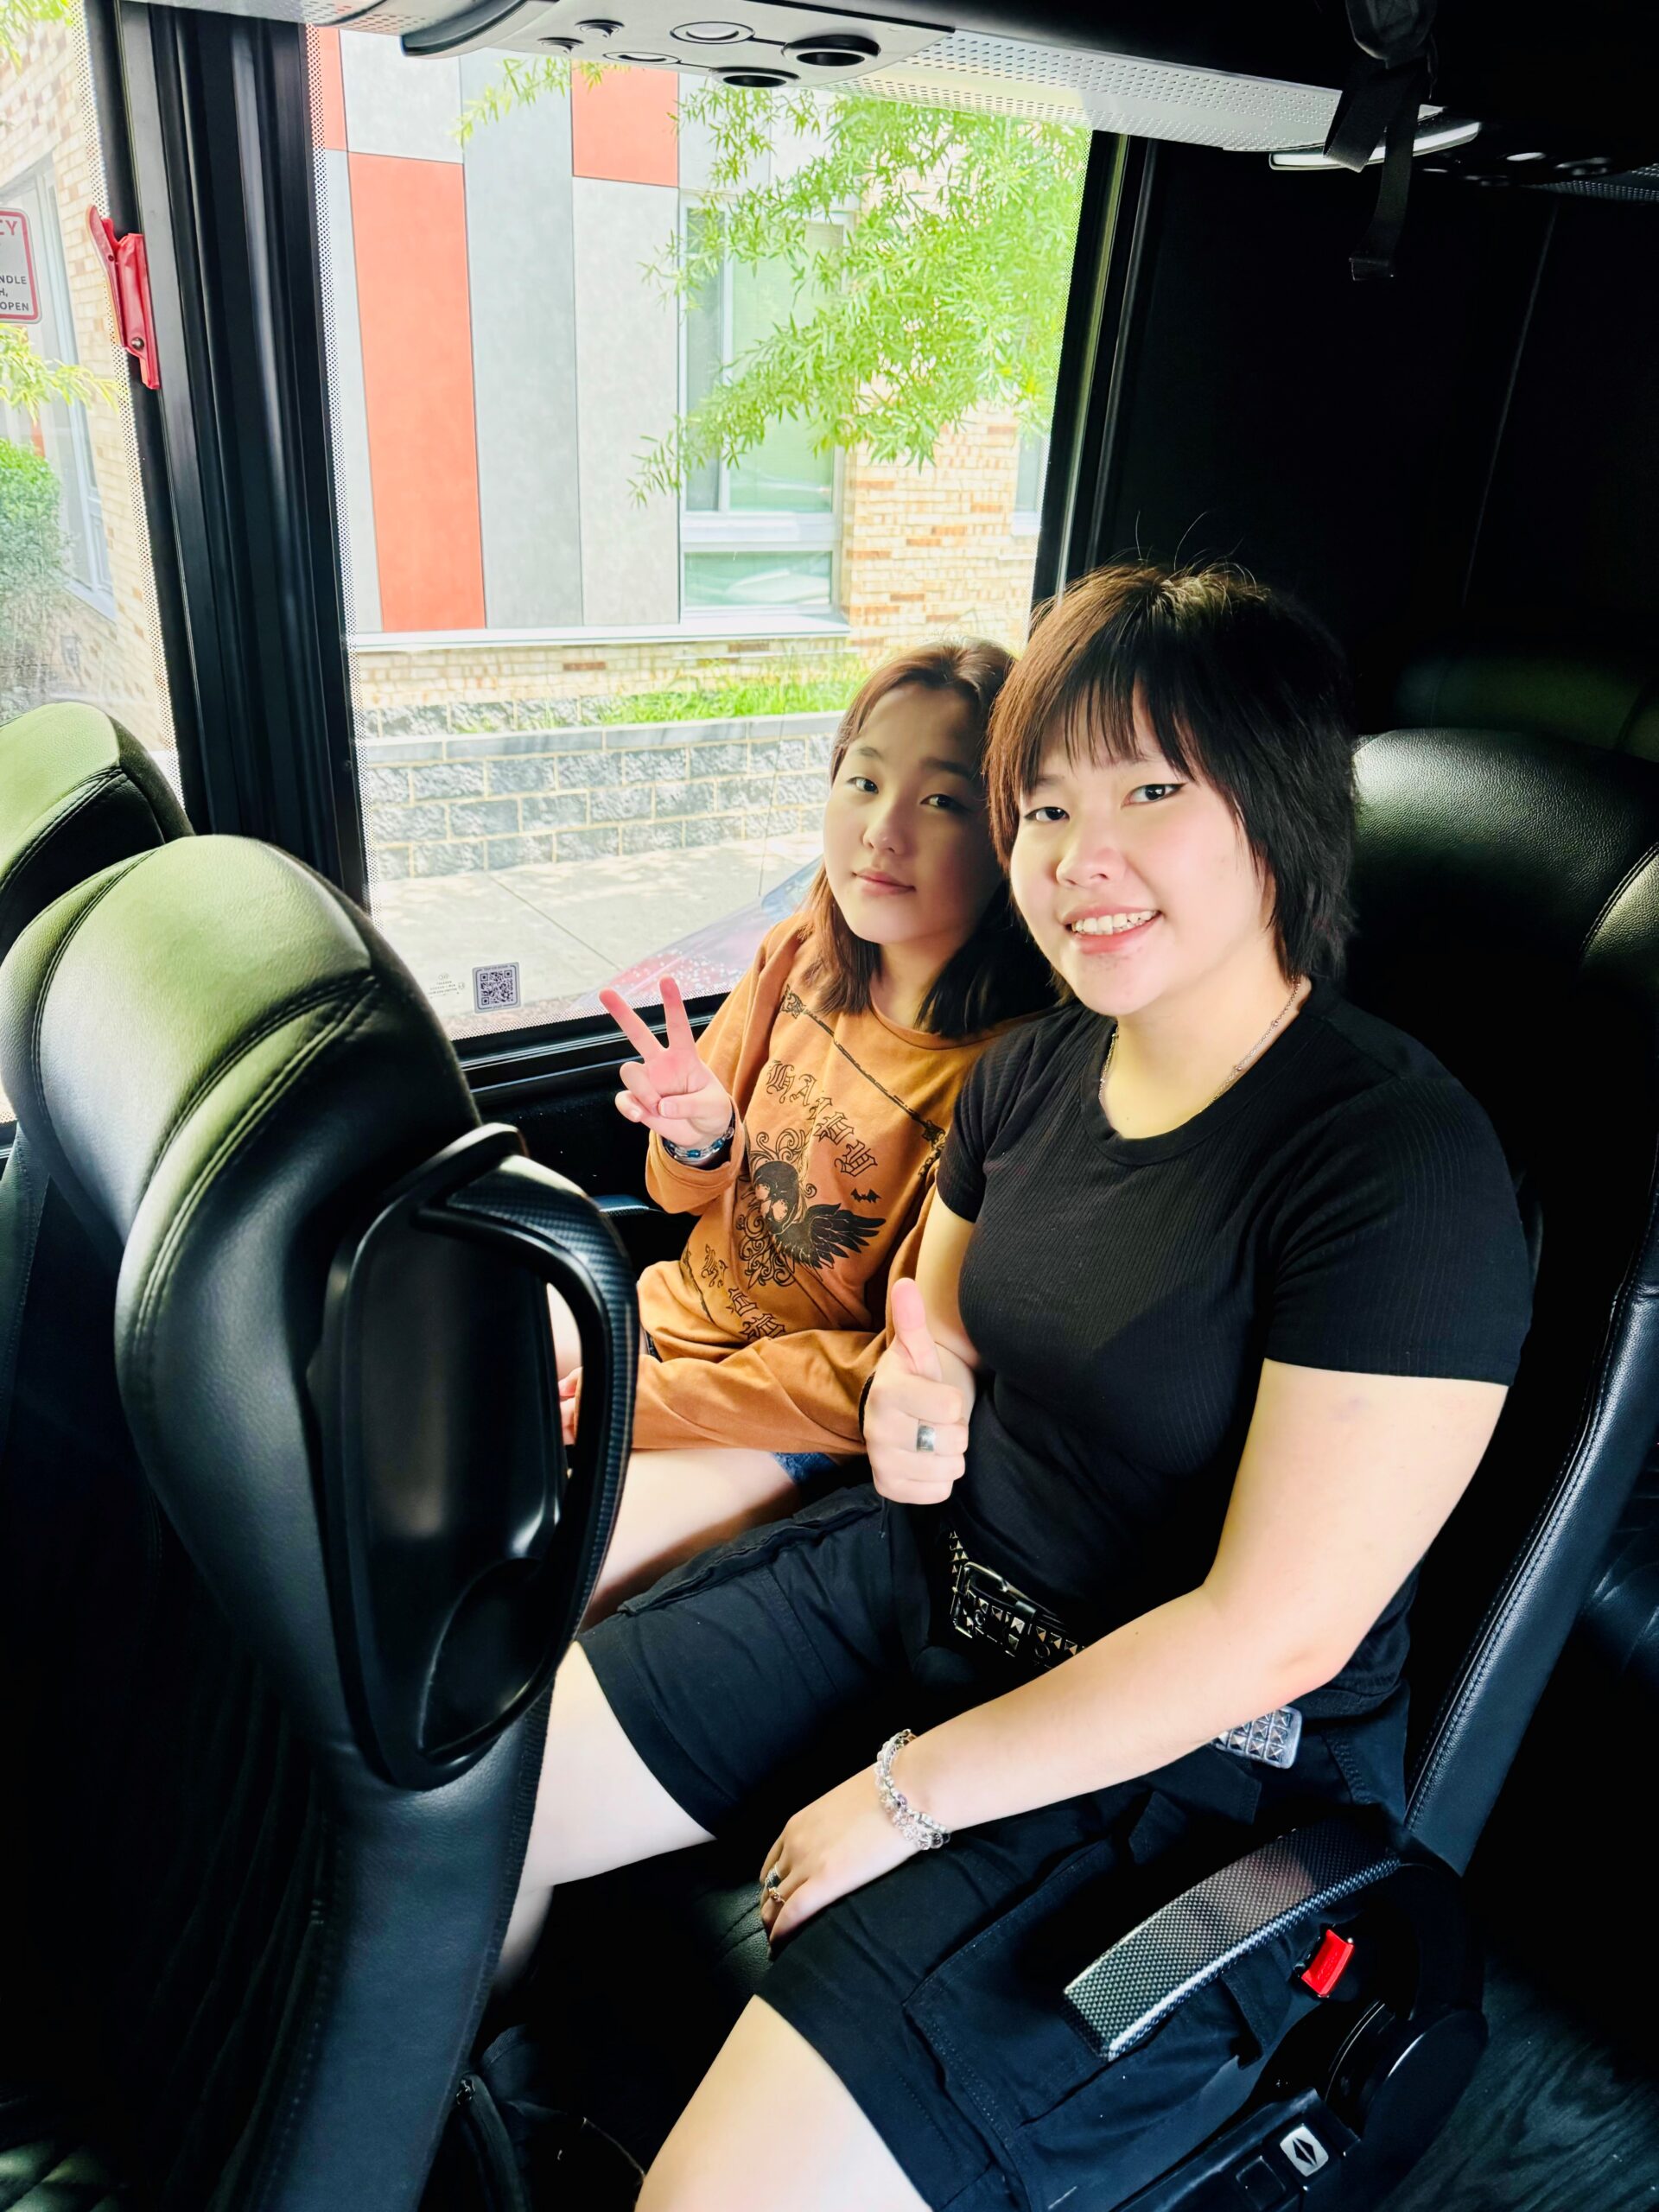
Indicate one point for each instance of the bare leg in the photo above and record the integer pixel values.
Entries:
(566, 1342)
(677, 1504)
(770, 2125)
(598, 1805)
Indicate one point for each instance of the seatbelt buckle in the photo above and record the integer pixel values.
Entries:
(1273, 1739)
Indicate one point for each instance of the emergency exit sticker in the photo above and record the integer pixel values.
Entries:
(20, 298)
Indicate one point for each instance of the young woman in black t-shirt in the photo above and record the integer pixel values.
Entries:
(1213, 1318)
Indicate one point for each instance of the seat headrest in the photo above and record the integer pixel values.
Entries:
(1600, 692)
(185, 1001)
(76, 794)
(221, 1065)
(1498, 877)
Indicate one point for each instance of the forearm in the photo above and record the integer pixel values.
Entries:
(1149, 1693)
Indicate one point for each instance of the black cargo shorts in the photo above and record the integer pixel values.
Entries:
(763, 1673)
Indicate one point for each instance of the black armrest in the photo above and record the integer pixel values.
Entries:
(1278, 1895)
(648, 1233)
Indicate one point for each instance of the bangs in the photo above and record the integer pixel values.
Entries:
(1241, 690)
(1094, 653)
(1094, 722)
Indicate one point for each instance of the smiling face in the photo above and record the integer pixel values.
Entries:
(905, 846)
(1137, 883)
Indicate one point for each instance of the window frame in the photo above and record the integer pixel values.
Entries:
(205, 122)
(211, 120)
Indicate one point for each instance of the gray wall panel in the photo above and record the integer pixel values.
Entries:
(396, 106)
(628, 377)
(521, 283)
(348, 411)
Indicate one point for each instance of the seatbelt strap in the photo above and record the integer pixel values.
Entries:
(1379, 107)
(22, 1195)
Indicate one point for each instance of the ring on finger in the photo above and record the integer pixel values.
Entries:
(773, 1883)
(926, 1437)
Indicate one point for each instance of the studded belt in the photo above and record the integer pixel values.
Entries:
(986, 1608)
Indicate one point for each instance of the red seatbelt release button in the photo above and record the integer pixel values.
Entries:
(1327, 1967)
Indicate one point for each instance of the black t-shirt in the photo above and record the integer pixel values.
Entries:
(1346, 1205)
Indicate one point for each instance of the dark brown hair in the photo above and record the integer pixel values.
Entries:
(998, 972)
(1245, 691)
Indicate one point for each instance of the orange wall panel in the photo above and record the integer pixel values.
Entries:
(330, 90)
(622, 127)
(408, 224)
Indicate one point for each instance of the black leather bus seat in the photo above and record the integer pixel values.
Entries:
(247, 1967)
(1599, 691)
(77, 792)
(1507, 888)
(1603, 692)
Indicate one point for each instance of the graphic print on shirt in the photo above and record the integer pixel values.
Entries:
(795, 1006)
(778, 1226)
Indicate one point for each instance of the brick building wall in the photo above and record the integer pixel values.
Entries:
(925, 553)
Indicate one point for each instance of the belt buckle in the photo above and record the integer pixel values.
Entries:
(988, 1609)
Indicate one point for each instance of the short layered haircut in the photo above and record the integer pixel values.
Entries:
(1244, 690)
(998, 973)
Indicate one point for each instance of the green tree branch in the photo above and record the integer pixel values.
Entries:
(19, 17)
(944, 289)
(944, 292)
(29, 381)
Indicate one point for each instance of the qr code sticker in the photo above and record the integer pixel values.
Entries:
(495, 989)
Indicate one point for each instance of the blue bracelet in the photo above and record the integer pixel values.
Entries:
(692, 1155)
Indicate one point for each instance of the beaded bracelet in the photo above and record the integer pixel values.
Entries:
(916, 1827)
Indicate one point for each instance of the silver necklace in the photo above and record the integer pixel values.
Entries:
(1238, 1066)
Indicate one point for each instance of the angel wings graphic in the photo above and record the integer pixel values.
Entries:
(785, 1217)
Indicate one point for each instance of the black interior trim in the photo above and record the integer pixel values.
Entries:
(107, 64)
(220, 115)
(557, 1055)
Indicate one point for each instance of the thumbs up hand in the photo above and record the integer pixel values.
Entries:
(910, 1405)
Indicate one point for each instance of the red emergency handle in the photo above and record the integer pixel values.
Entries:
(1324, 1969)
(128, 270)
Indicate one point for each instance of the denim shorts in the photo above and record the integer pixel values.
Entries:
(763, 1673)
(799, 1466)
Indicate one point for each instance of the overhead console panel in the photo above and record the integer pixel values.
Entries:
(1510, 100)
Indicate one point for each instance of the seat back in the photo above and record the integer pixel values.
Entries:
(1507, 890)
(1597, 690)
(257, 1961)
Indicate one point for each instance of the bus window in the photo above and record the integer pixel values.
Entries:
(76, 591)
(662, 413)
(77, 617)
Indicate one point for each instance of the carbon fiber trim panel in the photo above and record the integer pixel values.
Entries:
(1195, 1939)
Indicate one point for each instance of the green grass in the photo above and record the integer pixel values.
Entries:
(799, 691)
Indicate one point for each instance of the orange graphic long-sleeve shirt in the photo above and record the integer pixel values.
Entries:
(771, 1321)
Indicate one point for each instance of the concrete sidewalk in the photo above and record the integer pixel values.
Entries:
(572, 925)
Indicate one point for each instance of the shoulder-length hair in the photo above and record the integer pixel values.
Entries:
(998, 973)
(1244, 690)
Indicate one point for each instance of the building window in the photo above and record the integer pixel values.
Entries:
(1028, 482)
(760, 531)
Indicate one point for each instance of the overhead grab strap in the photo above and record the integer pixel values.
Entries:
(1379, 107)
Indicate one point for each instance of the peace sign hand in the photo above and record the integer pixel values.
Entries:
(667, 1089)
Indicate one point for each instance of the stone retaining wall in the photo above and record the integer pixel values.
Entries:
(440, 803)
